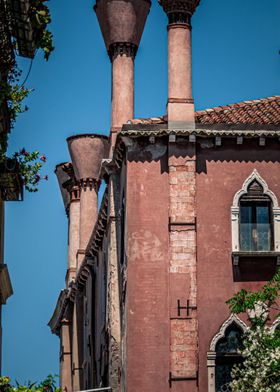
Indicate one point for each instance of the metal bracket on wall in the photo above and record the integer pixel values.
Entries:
(178, 379)
(74, 369)
(187, 308)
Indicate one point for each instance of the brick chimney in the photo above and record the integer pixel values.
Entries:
(180, 105)
(87, 152)
(122, 23)
(71, 198)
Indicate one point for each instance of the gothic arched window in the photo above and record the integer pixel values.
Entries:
(224, 354)
(255, 217)
(255, 220)
(227, 355)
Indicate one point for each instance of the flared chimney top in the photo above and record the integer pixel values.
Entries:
(122, 22)
(87, 152)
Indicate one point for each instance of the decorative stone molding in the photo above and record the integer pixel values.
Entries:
(235, 210)
(221, 334)
(254, 176)
(122, 49)
(75, 193)
(58, 314)
(275, 325)
(90, 183)
(180, 100)
(179, 11)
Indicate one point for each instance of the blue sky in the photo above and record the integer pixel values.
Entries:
(235, 57)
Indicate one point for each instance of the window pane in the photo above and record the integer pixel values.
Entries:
(255, 227)
(227, 350)
(246, 228)
(263, 240)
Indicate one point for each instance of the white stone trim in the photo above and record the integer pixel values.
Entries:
(211, 365)
(275, 324)
(222, 332)
(254, 176)
(211, 355)
(235, 211)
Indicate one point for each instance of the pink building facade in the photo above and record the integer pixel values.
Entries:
(189, 216)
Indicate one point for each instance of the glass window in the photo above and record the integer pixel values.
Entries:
(256, 233)
(227, 355)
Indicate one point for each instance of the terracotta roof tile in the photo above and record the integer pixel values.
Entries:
(149, 121)
(265, 111)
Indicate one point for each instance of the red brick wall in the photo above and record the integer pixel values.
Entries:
(182, 183)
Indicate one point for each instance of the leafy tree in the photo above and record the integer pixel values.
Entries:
(260, 370)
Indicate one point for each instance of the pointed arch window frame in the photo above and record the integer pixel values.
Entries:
(235, 211)
(212, 355)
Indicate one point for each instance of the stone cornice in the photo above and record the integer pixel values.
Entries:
(94, 245)
(140, 131)
(179, 11)
(59, 311)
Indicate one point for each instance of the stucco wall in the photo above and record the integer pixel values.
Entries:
(221, 172)
(147, 361)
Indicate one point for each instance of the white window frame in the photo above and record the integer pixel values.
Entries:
(235, 211)
(275, 325)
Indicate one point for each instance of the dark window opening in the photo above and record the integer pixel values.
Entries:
(256, 233)
(227, 355)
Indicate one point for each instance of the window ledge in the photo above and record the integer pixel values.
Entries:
(238, 256)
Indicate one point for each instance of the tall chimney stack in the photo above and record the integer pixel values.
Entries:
(180, 105)
(71, 198)
(122, 23)
(87, 152)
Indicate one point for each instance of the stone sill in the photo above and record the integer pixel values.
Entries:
(239, 256)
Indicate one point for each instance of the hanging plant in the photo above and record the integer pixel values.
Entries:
(40, 17)
(13, 94)
(27, 165)
(30, 164)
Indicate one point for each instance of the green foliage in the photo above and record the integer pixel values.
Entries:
(260, 371)
(245, 300)
(47, 385)
(5, 384)
(46, 43)
(41, 17)
(13, 94)
(30, 164)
